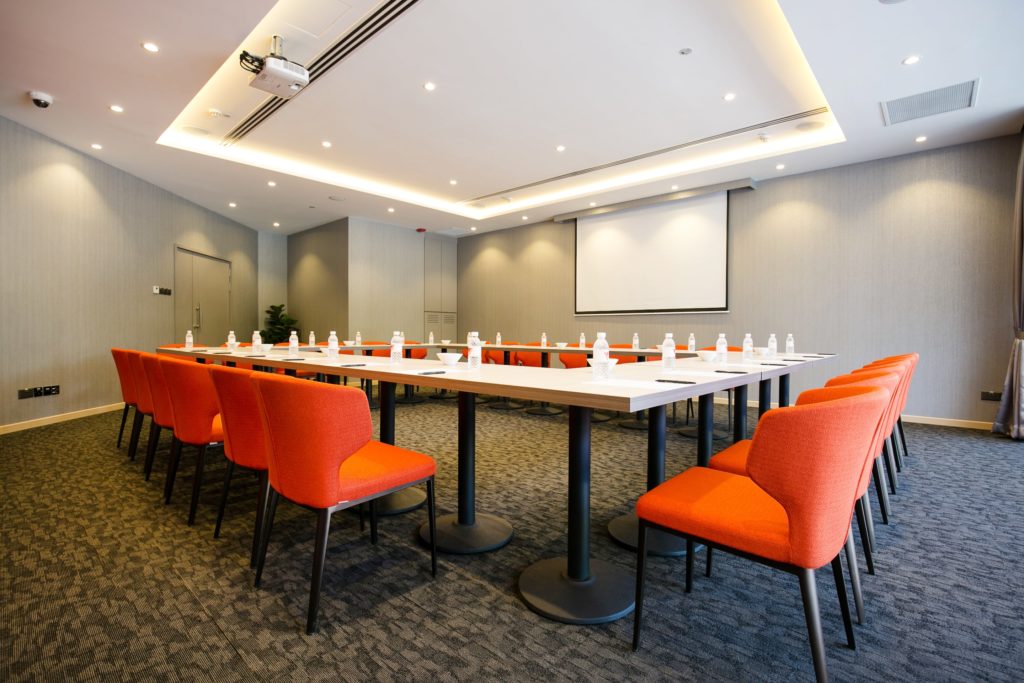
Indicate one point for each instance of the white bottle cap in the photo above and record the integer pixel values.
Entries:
(396, 333)
(600, 335)
(668, 335)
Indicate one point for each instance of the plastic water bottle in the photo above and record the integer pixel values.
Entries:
(475, 351)
(636, 340)
(396, 347)
(359, 338)
(721, 348)
(691, 343)
(543, 338)
(312, 338)
(497, 338)
(602, 357)
(773, 346)
(257, 341)
(748, 347)
(293, 343)
(430, 339)
(231, 338)
(332, 341)
(668, 352)
(583, 340)
(790, 344)
(188, 339)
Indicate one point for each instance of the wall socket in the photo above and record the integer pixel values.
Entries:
(33, 392)
(991, 396)
(157, 289)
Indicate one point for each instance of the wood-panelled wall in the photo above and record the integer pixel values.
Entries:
(81, 246)
(904, 254)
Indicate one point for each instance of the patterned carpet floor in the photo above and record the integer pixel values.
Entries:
(100, 581)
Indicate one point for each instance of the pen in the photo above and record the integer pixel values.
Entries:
(431, 372)
(353, 365)
(675, 381)
(731, 372)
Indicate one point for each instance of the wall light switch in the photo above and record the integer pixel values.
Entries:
(156, 289)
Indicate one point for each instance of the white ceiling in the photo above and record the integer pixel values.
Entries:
(515, 78)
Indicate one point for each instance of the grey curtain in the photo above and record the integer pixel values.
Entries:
(1010, 418)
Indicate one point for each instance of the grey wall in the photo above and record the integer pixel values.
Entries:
(905, 254)
(272, 268)
(318, 278)
(81, 246)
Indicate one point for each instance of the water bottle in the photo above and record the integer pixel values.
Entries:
(430, 339)
(497, 338)
(312, 338)
(721, 348)
(231, 339)
(636, 340)
(543, 338)
(668, 352)
(602, 357)
(583, 340)
(293, 343)
(475, 352)
(332, 341)
(359, 338)
(188, 339)
(748, 347)
(790, 344)
(396, 347)
(691, 343)
(773, 346)
(257, 341)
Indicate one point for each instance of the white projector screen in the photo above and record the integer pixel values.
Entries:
(665, 258)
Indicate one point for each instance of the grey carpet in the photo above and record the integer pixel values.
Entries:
(100, 581)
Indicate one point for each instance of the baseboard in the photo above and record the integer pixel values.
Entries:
(54, 419)
(917, 419)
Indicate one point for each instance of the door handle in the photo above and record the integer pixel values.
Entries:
(197, 318)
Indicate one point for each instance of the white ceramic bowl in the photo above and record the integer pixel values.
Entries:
(561, 345)
(349, 342)
(233, 346)
(761, 351)
(266, 347)
(708, 356)
(611, 362)
(446, 341)
(449, 358)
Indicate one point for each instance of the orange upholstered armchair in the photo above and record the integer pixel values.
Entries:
(126, 378)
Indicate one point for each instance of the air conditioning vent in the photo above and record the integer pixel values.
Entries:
(951, 98)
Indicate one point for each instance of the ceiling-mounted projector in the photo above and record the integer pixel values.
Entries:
(275, 74)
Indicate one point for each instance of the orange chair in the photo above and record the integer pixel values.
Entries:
(571, 361)
(321, 456)
(163, 412)
(903, 368)
(143, 401)
(126, 377)
(623, 357)
(910, 361)
(196, 420)
(794, 510)
(244, 442)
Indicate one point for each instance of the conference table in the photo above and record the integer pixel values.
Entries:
(575, 588)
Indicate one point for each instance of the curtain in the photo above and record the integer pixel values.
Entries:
(1010, 418)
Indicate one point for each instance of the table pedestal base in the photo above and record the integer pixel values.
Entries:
(400, 502)
(625, 530)
(606, 596)
(487, 533)
(545, 410)
(691, 433)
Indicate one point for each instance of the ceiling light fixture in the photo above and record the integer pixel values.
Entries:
(96, 145)
(453, 181)
(276, 224)
(526, 218)
(117, 108)
(675, 187)
(593, 203)
(232, 204)
(391, 209)
(429, 86)
(911, 60)
(326, 144)
(729, 96)
(779, 167)
(271, 183)
(921, 138)
(472, 228)
(560, 148)
(151, 47)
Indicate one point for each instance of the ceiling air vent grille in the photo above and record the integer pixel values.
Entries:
(952, 97)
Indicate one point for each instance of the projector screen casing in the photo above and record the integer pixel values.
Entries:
(664, 258)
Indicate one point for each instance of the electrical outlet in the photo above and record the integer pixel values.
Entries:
(26, 393)
(156, 289)
(166, 291)
(991, 396)
(51, 390)
(33, 392)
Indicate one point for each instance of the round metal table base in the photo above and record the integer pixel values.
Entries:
(445, 396)
(505, 405)
(633, 423)
(606, 596)
(546, 411)
(410, 400)
(691, 433)
(625, 530)
(400, 502)
(486, 534)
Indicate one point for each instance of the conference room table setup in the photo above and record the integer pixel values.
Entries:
(575, 588)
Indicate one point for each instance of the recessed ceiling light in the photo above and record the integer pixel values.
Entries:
(560, 148)
(729, 96)
(675, 187)
(215, 113)
(271, 183)
(391, 209)
(151, 47)
(911, 60)
(117, 108)
(96, 145)
(919, 138)
(779, 167)
(593, 203)
(453, 181)
(326, 144)
(276, 224)
(429, 86)
(526, 218)
(472, 228)
(232, 204)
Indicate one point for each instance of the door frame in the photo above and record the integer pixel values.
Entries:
(188, 250)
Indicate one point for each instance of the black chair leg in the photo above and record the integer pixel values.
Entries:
(172, 469)
(883, 493)
(809, 592)
(323, 528)
(851, 565)
(373, 522)
(707, 567)
(133, 440)
(890, 467)
(896, 450)
(154, 440)
(432, 518)
(196, 483)
(641, 569)
(865, 536)
(903, 436)
(124, 419)
(844, 604)
(272, 498)
(689, 565)
(223, 498)
(261, 513)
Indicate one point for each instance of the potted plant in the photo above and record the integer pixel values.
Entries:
(279, 325)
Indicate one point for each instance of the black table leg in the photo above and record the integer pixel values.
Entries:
(705, 424)
(407, 499)
(576, 589)
(739, 416)
(764, 397)
(783, 391)
(624, 529)
(468, 531)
